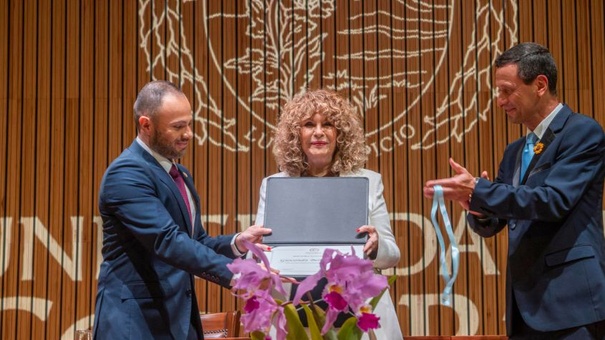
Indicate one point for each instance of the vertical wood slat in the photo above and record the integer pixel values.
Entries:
(86, 290)
(200, 159)
(71, 158)
(70, 70)
(584, 64)
(392, 192)
(13, 172)
(31, 160)
(27, 182)
(5, 23)
(215, 175)
(568, 73)
(597, 48)
(229, 158)
(60, 201)
(245, 202)
(419, 318)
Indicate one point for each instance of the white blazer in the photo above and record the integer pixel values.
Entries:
(388, 252)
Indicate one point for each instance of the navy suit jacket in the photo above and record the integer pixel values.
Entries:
(146, 283)
(556, 248)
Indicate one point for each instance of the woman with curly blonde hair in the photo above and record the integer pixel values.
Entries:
(350, 152)
(320, 134)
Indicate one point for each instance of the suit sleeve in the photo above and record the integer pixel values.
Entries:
(569, 168)
(141, 207)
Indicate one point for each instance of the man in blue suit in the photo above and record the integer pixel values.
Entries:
(555, 285)
(153, 239)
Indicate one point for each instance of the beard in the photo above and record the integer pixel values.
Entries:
(164, 147)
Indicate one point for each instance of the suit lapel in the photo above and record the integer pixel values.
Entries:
(165, 178)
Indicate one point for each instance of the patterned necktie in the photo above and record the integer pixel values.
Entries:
(528, 153)
(180, 183)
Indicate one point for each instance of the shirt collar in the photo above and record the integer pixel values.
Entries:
(541, 128)
(164, 162)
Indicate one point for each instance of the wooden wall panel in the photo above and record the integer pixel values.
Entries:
(5, 220)
(420, 72)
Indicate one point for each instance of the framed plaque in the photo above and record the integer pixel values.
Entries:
(308, 215)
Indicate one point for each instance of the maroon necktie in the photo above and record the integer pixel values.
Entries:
(180, 183)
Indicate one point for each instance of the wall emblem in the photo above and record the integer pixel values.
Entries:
(390, 57)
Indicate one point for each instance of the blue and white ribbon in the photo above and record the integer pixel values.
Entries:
(455, 252)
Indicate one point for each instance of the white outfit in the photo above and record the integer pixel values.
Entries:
(388, 251)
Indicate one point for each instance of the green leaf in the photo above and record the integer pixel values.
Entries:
(314, 329)
(331, 335)
(375, 299)
(296, 331)
(319, 314)
(349, 330)
(257, 335)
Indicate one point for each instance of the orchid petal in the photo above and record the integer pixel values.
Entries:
(261, 255)
(368, 321)
(331, 316)
(351, 283)
(311, 281)
(336, 301)
(252, 273)
(306, 285)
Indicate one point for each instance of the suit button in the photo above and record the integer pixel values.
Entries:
(188, 292)
(512, 225)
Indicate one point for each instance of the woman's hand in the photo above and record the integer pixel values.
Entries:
(370, 249)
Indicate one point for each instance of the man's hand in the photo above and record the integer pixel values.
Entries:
(253, 234)
(458, 188)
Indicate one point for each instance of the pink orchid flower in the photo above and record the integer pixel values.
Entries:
(351, 282)
(257, 283)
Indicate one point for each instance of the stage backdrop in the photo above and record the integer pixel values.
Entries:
(419, 71)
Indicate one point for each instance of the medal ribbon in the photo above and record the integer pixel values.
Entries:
(438, 202)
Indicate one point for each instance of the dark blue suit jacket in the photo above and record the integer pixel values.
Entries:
(145, 288)
(556, 256)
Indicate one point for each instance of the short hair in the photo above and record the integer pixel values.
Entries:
(532, 60)
(150, 99)
(350, 153)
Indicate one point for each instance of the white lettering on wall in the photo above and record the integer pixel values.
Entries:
(72, 265)
(36, 306)
(430, 242)
(477, 243)
(418, 304)
(34, 229)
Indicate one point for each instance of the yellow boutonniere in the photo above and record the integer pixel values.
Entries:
(538, 148)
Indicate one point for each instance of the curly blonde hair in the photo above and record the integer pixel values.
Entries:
(350, 153)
